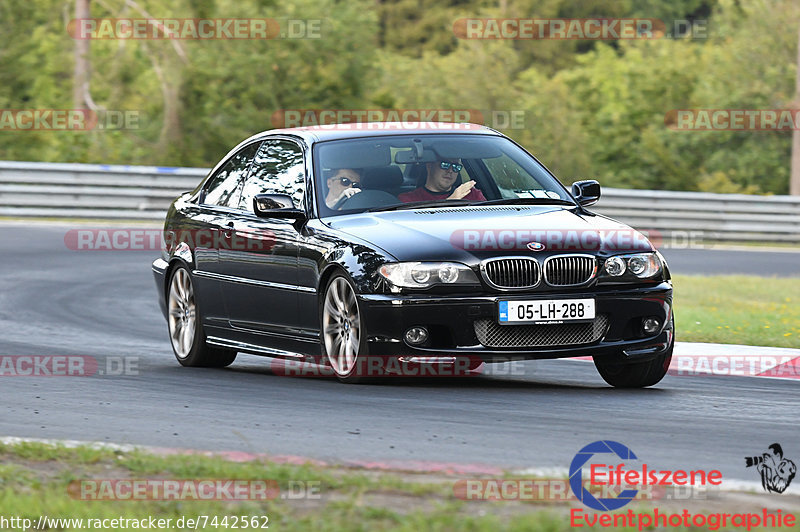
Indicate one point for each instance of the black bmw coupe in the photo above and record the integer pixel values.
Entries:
(355, 246)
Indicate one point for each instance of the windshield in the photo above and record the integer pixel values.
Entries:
(430, 171)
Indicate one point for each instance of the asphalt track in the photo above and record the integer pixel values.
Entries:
(54, 301)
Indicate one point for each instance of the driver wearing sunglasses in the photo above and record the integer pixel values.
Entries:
(440, 184)
(343, 184)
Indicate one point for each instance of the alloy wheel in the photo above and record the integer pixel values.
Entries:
(182, 313)
(341, 324)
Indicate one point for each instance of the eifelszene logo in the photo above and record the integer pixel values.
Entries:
(776, 471)
(576, 475)
(618, 476)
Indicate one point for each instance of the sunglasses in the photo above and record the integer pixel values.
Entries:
(444, 165)
(347, 182)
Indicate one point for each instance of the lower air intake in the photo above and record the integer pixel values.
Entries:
(492, 334)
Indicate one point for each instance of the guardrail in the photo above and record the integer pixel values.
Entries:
(48, 190)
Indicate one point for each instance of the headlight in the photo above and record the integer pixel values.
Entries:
(644, 265)
(427, 274)
(615, 266)
(631, 267)
(421, 275)
(448, 273)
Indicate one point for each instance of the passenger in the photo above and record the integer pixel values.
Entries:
(442, 176)
(344, 183)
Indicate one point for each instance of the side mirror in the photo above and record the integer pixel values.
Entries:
(586, 192)
(276, 206)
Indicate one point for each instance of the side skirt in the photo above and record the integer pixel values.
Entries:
(256, 349)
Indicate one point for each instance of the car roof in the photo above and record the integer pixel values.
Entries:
(313, 134)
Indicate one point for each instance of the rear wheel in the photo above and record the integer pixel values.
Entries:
(186, 329)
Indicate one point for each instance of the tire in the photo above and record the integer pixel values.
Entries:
(343, 337)
(635, 375)
(186, 332)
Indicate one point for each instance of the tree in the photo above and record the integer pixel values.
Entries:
(81, 82)
(794, 185)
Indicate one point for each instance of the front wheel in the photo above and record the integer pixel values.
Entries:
(186, 329)
(636, 374)
(344, 339)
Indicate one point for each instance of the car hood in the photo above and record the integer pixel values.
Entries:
(467, 234)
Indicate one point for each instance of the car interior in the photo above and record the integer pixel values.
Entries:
(390, 167)
(381, 184)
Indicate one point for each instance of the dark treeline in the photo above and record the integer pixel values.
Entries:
(589, 109)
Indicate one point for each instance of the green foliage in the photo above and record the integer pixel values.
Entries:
(738, 309)
(592, 109)
(39, 482)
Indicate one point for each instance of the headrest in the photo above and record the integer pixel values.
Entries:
(382, 177)
(418, 174)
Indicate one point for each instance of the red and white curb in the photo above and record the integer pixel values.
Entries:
(411, 466)
(728, 360)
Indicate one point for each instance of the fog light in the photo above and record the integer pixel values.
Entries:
(651, 325)
(417, 335)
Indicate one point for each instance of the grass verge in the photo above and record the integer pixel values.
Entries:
(37, 479)
(738, 309)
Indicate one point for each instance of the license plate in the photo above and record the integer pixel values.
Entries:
(545, 311)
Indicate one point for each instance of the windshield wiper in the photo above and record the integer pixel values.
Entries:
(422, 205)
(527, 201)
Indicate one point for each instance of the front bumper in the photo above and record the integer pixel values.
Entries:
(451, 322)
(159, 268)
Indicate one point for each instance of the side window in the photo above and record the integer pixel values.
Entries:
(223, 189)
(278, 169)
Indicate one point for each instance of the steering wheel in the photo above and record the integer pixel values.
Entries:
(341, 201)
(365, 199)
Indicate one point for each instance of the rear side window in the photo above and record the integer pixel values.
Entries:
(225, 187)
(278, 169)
